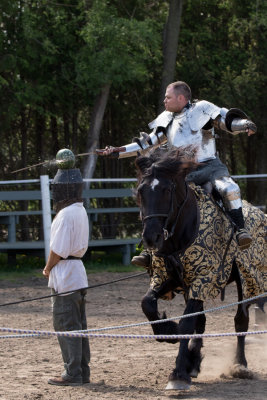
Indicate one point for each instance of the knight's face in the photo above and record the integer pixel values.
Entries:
(172, 101)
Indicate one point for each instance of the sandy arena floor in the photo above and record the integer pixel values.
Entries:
(120, 368)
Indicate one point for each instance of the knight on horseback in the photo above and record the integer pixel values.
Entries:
(186, 123)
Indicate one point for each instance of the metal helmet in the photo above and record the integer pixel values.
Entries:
(67, 183)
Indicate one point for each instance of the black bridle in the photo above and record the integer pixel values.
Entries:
(166, 233)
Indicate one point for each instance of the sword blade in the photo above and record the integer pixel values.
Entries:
(97, 151)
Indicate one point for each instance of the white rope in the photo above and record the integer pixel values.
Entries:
(86, 333)
(25, 333)
(161, 321)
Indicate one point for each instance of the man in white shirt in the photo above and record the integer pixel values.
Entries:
(65, 271)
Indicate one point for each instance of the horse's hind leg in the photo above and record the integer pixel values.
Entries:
(150, 309)
(241, 320)
(260, 314)
(241, 325)
(240, 369)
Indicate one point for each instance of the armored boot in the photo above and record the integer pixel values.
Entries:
(243, 237)
(143, 260)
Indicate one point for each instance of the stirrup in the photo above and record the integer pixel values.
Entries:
(243, 238)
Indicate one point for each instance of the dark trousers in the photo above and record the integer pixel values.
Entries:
(208, 171)
(69, 315)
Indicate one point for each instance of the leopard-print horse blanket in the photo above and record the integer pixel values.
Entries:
(205, 275)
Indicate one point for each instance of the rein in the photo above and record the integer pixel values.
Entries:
(166, 233)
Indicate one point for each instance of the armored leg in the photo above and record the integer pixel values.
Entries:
(230, 193)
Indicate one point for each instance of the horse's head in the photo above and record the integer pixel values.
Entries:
(161, 192)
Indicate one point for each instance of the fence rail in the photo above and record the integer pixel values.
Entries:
(11, 219)
(102, 204)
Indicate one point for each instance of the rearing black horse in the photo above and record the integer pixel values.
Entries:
(194, 252)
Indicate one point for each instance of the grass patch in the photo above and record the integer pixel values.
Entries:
(26, 266)
(103, 262)
(13, 276)
(21, 266)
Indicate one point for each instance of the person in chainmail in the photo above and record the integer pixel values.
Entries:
(66, 272)
(185, 123)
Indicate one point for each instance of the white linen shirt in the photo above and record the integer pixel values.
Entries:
(69, 237)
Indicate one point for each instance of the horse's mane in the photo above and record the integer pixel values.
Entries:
(172, 162)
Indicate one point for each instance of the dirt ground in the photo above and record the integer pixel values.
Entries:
(120, 368)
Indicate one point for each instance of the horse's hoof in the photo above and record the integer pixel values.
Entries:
(194, 373)
(178, 385)
(241, 372)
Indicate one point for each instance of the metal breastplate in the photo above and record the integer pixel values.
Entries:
(179, 134)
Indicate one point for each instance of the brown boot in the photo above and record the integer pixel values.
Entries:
(243, 239)
(63, 382)
(143, 260)
(242, 235)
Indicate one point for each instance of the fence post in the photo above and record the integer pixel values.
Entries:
(46, 207)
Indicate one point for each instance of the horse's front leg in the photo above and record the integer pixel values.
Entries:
(150, 309)
(180, 378)
(195, 346)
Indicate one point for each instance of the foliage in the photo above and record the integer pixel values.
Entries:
(56, 57)
(22, 264)
(221, 54)
(102, 262)
(27, 266)
(121, 48)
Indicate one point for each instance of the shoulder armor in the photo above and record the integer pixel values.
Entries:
(200, 113)
(162, 120)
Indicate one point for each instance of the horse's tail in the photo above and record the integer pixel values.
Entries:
(222, 294)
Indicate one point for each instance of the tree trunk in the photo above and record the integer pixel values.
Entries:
(170, 45)
(24, 156)
(40, 132)
(54, 134)
(262, 169)
(94, 131)
(74, 131)
(66, 121)
(24, 140)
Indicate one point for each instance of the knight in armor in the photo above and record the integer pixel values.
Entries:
(65, 270)
(186, 123)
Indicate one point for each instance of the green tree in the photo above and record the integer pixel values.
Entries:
(123, 49)
(170, 46)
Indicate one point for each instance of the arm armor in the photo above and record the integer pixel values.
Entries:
(144, 142)
(234, 121)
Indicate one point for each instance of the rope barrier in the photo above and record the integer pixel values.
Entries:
(24, 333)
(86, 333)
(72, 291)
(161, 321)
